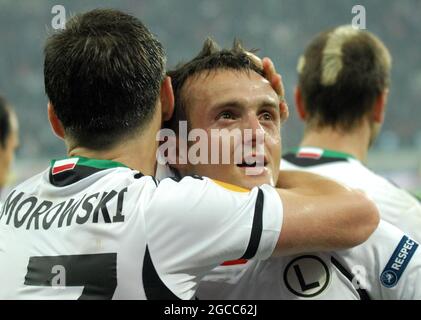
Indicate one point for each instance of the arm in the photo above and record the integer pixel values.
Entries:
(195, 224)
(322, 215)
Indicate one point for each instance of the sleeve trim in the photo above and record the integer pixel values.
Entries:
(257, 228)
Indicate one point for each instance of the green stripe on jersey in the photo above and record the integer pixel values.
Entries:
(94, 163)
(325, 153)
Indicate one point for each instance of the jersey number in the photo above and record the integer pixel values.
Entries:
(97, 273)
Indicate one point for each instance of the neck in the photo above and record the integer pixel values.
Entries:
(355, 142)
(137, 154)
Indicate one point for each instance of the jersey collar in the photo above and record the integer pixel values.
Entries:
(310, 156)
(64, 172)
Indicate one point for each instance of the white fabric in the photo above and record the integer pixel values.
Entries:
(189, 227)
(277, 278)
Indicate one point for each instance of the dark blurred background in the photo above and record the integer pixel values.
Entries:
(279, 28)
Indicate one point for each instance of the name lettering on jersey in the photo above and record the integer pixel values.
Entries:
(30, 212)
(398, 262)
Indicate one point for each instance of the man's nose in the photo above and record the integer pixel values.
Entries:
(252, 129)
(252, 122)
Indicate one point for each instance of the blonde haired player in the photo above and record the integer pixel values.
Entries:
(344, 79)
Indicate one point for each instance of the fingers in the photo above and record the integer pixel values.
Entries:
(275, 80)
(256, 60)
(272, 76)
(278, 85)
(284, 110)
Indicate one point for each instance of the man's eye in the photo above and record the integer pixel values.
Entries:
(266, 116)
(226, 115)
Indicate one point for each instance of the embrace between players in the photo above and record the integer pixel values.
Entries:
(109, 95)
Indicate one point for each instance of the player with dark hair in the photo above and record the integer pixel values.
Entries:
(222, 89)
(96, 225)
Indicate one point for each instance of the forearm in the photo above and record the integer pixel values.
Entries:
(325, 222)
(308, 183)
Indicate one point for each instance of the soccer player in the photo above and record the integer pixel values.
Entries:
(344, 79)
(223, 89)
(96, 225)
(9, 139)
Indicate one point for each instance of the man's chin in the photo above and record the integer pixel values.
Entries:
(251, 179)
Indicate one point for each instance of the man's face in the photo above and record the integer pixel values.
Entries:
(7, 152)
(236, 100)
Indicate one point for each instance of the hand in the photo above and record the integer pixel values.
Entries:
(275, 79)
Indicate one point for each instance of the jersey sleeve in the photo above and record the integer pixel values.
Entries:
(409, 219)
(387, 266)
(195, 224)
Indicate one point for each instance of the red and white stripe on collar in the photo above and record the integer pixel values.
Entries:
(64, 165)
(311, 153)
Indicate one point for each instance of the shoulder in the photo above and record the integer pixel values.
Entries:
(30, 186)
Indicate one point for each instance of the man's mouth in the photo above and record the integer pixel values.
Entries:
(246, 165)
(252, 164)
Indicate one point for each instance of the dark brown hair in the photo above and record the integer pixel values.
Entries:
(341, 74)
(210, 58)
(103, 75)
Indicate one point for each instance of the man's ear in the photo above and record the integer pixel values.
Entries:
(55, 123)
(178, 156)
(173, 152)
(379, 109)
(167, 99)
(299, 104)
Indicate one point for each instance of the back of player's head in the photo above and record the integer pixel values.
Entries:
(5, 125)
(103, 75)
(211, 58)
(341, 74)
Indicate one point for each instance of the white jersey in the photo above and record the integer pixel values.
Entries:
(387, 266)
(395, 205)
(95, 229)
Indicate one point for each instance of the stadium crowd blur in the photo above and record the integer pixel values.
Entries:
(280, 28)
